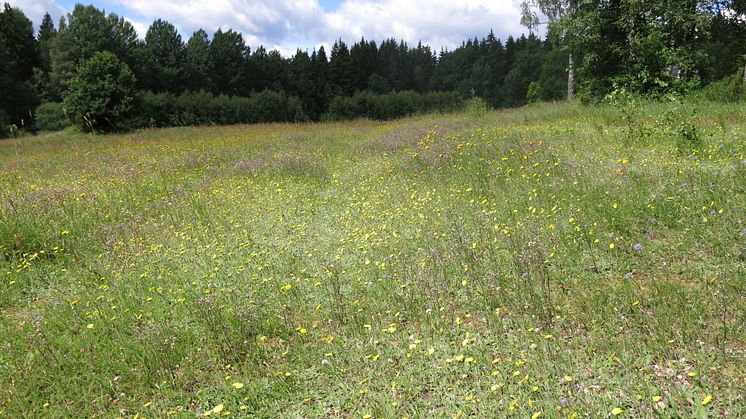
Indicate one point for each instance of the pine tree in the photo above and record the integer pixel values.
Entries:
(197, 56)
(23, 49)
(165, 58)
(89, 31)
(19, 51)
(227, 59)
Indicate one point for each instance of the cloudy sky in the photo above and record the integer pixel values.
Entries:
(287, 24)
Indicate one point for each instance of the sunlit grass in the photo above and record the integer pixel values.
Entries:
(541, 262)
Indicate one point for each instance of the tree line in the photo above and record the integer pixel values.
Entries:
(91, 69)
(652, 47)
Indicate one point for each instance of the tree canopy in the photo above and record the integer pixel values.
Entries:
(652, 47)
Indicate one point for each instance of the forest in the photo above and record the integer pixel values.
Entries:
(92, 70)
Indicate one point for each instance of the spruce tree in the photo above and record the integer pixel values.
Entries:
(47, 33)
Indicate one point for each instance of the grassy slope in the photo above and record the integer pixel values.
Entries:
(436, 266)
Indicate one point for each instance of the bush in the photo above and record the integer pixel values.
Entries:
(51, 116)
(728, 90)
(534, 92)
(4, 124)
(393, 105)
(476, 107)
(101, 94)
(201, 108)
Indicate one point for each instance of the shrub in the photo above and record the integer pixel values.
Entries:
(4, 124)
(679, 122)
(367, 104)
(200, 108)
(51, 116)
(101, 94)
(728, 90)
(534, 92)
(476, 107)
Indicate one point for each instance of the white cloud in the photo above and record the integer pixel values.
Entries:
(140, 27)
(438, 23)
(268, 21)
(35, 9)
(287, 24)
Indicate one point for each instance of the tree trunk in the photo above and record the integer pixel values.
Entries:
(744, 74)
(570, 78)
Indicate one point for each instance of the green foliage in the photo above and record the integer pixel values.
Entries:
(101, 94)
(341, 68)
(652, 48)
(552, 82)
(17, 33)
(47, 32)
(636, 129)
(476, 107)
(203, 108)
(4, 124)
(227, 60)
(18, 56)
(728, 90)
(525, 69)
(51, 116)
(394, 105)
(724, 46)
(197, 55)
(87, 32)
(377, 84)
(534, 92)
(164, 58)
(678, 122)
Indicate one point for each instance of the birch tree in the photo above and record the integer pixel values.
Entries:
(560, 27)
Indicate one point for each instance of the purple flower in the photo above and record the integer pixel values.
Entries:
(637, 247)
(628, 275)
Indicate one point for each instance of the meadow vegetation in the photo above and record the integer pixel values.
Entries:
(549, 261)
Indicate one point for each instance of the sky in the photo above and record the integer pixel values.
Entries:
(289, 24)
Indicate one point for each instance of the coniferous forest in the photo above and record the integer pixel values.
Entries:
(90, 69)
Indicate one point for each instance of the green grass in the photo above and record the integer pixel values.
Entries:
(555, 259)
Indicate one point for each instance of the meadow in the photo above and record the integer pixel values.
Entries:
(549, 261)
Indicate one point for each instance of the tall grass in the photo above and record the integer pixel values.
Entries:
(525, 262)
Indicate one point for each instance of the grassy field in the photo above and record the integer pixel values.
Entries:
(551, 261)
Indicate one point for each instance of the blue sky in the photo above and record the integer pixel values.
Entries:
(287, 24)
